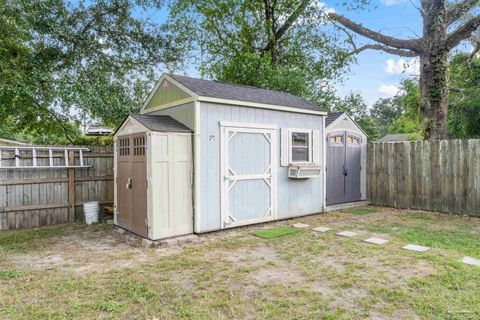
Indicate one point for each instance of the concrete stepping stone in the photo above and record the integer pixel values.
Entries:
(471, 261)
(321, 229)
(374, 240)
(300, 225)
(347, 234)
(414, 247)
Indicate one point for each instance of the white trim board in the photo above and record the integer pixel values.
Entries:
(247, 125)
(197, 167)
(260, 105)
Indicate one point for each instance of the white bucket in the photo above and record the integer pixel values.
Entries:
(91, 210)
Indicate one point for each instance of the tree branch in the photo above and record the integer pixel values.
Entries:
(291, 19)
(460, 9)
(60, 121)
(379, 47)
(289, 22)
(462, 32)
(413, 45)
(476, 48)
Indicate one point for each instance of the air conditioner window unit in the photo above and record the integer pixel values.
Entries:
(304, 171)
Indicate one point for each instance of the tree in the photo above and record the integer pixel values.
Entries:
(62, 61)
(353, 104)
(464, 102)
(410, 120)
(442, 32)
(385, 112)
(356, 107)
(280, 45)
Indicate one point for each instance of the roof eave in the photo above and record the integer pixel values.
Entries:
(346, 113)
(260, 105)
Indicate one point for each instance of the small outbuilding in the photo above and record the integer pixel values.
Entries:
(153, 176)
(207, 155)
(346, 159)
(394, 137)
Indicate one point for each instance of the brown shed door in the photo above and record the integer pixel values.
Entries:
(132, 184)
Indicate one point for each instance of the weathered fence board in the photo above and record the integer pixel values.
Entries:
(32, 197)
(426, 175)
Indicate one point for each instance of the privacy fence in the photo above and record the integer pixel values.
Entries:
(426, 175)
(43, 195)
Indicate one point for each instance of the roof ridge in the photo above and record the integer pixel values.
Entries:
(238, 91)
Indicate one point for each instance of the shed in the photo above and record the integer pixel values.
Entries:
(258, 155)
(153, 176)
(346, 160)
(394, 137)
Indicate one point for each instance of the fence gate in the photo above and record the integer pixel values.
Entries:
(343, 167)
(248, 174)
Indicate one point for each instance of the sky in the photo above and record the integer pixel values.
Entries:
(376, 74)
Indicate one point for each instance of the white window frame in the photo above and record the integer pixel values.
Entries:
(290, 145)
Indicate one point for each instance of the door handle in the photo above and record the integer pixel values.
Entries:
(128, 185)
(345, 170)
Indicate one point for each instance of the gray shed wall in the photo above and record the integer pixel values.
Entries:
(294, 197)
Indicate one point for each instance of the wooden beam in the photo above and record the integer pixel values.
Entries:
(48, 206)
(53, 180)
(71, 186)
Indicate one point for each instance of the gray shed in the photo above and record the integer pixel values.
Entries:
(346, 160)
(258, 155)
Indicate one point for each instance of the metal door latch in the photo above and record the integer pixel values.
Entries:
(128, 185)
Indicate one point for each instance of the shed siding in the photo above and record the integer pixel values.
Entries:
(344, 123)
(294, 197)
(183, 113)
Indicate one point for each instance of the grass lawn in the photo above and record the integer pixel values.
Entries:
(277, 232)
(95, 273)
(361, 211)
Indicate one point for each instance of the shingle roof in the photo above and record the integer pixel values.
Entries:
(231, 91)
(332, 116)
(394, 137)
(161, 123)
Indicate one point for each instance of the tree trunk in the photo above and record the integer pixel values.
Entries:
(434, 71)
(434, 95)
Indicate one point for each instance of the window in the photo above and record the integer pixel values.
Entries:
(124, 146)
(300, 146)
(139, 146)
(353, 140)
(336, 139)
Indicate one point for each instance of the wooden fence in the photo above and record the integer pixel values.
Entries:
(40, 197)
(426, 175)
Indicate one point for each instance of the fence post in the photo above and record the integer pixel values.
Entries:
(71, 188)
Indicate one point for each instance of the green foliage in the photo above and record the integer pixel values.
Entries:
(464, 103)
(61, 62)
(356, 107)
(254, 70)
(385, 112)
(409, 121)
(237, 41)
(275, 232)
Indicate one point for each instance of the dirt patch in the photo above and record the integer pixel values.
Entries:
(82, 254)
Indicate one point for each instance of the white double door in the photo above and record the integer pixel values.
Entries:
(248, 173)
